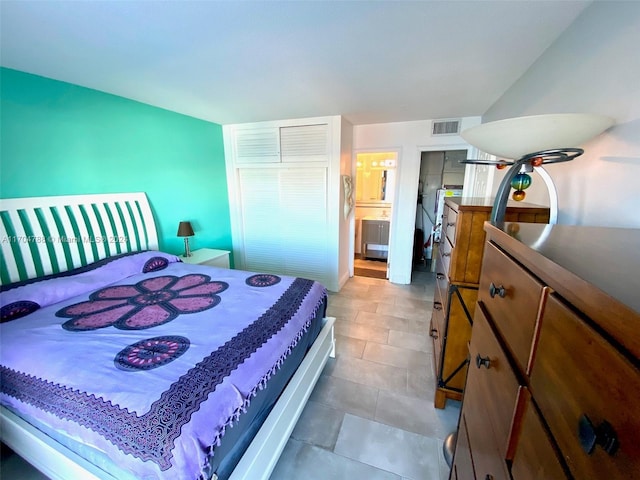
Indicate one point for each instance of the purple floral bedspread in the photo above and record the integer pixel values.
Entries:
(146, 358)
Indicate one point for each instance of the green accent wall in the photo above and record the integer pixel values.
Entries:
(62, 139)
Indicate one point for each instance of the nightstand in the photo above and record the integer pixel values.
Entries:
(208, 256)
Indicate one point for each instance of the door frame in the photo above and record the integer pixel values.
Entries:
(469, 172)
(353, 227)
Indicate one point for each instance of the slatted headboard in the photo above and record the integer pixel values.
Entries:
(44, 235)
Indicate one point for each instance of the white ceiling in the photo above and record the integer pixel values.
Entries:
(242, 61)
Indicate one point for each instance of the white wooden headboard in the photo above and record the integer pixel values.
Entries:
(44, 235)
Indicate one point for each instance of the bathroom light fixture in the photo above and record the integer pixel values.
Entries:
(185, 230)
(527, 143)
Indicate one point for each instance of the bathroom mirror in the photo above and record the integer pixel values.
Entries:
(375, 177)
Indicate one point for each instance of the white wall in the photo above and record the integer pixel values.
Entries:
(594, 67)
(346, 229)
(409, 139)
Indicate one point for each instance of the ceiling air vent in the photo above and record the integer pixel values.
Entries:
(446, 127)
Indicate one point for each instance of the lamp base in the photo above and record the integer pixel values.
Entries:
(187, 251)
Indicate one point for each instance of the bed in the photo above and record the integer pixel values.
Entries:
(120, 361)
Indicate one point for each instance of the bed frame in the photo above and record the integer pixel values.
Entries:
(44, 235)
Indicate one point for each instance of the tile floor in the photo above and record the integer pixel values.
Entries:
(370, 268)
(371, 415)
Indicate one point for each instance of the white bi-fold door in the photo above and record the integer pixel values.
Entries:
(284, 220)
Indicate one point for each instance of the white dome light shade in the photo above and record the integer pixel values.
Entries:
(515, 137)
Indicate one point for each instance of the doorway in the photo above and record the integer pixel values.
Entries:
(375, 193)
(441, 175)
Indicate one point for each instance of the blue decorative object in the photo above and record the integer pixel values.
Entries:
(521, 181)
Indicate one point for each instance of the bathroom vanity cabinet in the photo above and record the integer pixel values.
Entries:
(374, 232)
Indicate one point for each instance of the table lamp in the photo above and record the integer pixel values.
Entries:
(186, 230)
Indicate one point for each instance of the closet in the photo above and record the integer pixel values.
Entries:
(285, 196)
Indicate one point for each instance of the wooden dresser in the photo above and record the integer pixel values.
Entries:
(458, 263)
(553, 387)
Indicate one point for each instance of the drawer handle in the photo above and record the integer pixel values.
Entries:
(493, 291)
(480, 361)
(437, 306)
(603, 435)
(440, 276)
(451, 224)
(448, 254)
(434, 333)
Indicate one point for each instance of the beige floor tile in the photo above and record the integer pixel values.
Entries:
(383, 381)
(362, 331)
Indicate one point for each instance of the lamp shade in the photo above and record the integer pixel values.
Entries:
(185, 229)
(515, 137)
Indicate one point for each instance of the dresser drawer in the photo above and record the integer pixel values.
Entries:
(486, 453)
(576, 375)
(491, 390)
(436, 331)
(462, 468)
(450, 224)
(442, 281)
(438, 318)
(440, 292)
(512, 297)
(445, 251)
(535, 457)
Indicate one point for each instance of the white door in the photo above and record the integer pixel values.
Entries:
(284, 220)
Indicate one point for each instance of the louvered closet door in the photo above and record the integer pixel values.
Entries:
(260, 191)
(303, 207)
(257, 145)
(285, 221)
(305, 143)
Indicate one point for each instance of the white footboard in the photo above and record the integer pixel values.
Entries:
(262, 455)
